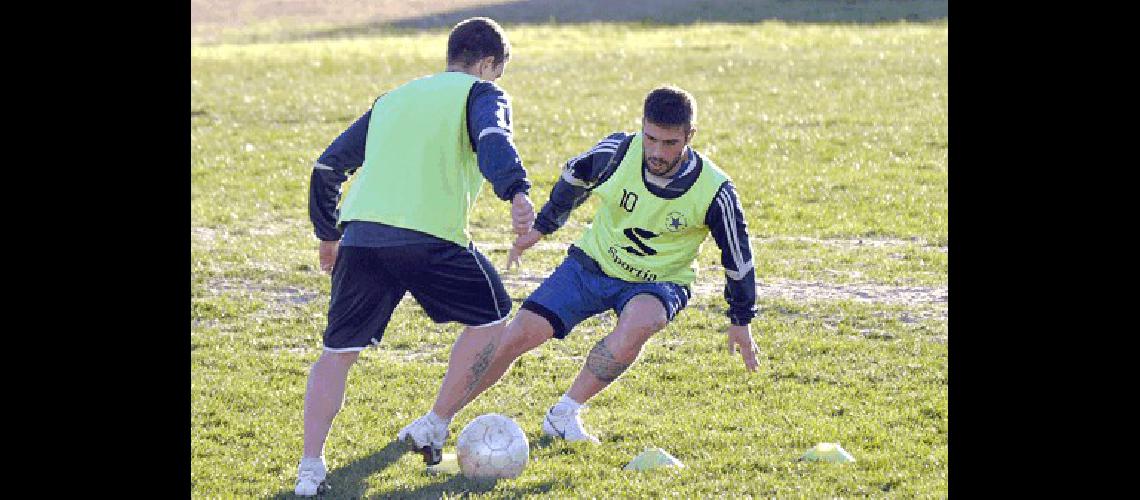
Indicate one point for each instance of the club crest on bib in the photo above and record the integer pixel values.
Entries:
(675, 222)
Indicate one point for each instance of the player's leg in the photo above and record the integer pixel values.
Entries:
(645, 309)
(642, 317)
(457, 284)
(558, 304)
(479, 358)
(525, 332)
(324, 396)
(470, 359)
(363, 298)
(607, 360)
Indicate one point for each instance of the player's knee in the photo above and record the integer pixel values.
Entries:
(627, 341)
(647, 326)
(644, 315)
(340, 358)
(522, 336)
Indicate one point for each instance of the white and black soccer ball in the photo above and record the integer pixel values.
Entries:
(492, 446)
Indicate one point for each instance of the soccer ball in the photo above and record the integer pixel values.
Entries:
(492, 446)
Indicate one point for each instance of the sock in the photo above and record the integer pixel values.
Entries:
(313, 463)
(573, 405)
(437, 420)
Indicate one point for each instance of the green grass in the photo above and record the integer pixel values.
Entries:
(834, 134)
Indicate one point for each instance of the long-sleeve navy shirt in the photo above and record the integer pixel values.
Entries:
(724, 217)
(489, 127)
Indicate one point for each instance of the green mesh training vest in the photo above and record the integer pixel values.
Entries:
(637, 236)
(419, 171)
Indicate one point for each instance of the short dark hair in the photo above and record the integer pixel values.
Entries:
(670, 106)
(475, 38)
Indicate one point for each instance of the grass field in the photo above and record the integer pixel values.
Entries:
(836, 137)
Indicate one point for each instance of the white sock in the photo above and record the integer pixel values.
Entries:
(437, 420)
(570, 403)
(313, 463)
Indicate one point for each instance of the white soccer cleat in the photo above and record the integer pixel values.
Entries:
(426, 438)
(310, 482)
(562, 422)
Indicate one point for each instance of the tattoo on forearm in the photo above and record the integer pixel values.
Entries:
(602, 364)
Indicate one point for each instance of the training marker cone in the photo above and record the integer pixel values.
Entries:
(828, 452)
(652, 458)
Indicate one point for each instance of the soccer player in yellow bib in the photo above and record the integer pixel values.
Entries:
(421, 155)
(660, 199)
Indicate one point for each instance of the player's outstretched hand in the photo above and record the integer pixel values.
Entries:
(741, 336)
(521, 244)
(327, 255)
(522, 214)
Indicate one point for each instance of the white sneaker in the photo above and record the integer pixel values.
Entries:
(562, 422)
(425, 437)
(310, 482)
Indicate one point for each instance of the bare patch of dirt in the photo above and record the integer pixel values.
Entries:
(785, 289)
(355, 17)
(859, 292)
(281, 295)
(854, 243)
(800, 291)
(846, 244)
(419, 354)
(236, 13)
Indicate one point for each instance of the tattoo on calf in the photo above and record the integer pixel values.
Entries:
(479, 367)
(602, 364)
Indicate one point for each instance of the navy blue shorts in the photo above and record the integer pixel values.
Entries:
(575, 292)
(451, 283)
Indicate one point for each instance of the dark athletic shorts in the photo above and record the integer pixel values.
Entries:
(451, 283)
(575, 292)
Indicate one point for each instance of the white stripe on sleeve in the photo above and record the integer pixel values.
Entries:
(602, 147)
(742, 267)
(568, 176)
(493, 130)
(738, 275)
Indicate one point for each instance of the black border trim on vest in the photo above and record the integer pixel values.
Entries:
(374, 101)
(467, 118)
(699, 168)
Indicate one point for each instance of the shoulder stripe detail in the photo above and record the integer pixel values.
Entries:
(606, 146)
(596, 149)
(321, 166)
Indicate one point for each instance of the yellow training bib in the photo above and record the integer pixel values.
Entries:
(637, 236)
